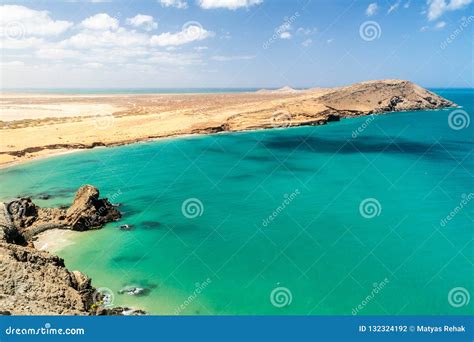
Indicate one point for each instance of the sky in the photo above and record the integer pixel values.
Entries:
(234, 43)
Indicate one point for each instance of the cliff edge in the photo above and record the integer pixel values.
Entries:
(36, 282)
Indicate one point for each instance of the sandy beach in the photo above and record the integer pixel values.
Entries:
(40, 125)
(54, 240)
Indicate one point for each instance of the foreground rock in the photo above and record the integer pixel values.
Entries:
(36, 282)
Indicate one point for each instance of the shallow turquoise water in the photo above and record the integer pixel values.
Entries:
(319, 247)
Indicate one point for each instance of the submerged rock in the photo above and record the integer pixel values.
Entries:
(151, 224)
(119, 311)
(44, 196)
(134, 291)
(125, 227)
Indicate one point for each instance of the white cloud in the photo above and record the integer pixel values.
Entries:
(231, 58)
(283, 31)
(372, 9)
(393, 7)
(307, 43)
(56, 53)
(25, 43)
(181, 4)
(179, 59)
(100, 22)
(188, 34)
(12, 64)
(145, 21)
(440, 25)
(93, 65)
(306, 31)
(119, 38)
(17, 22)
(436, 8)
(285, 35)
(91, 1)
(229, 4)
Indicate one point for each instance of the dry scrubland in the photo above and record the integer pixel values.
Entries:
(37, 125)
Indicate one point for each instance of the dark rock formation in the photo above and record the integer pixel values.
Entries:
(36, 282)
(87, 211)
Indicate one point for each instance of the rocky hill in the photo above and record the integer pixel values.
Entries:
(36, 282)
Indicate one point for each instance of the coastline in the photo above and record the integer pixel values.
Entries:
(54, 240)
(97, 278)
(150, 117)
(57, 153)
(35, 280)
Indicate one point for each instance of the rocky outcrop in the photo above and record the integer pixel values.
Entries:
(87, 211)
(320, 106)
(374, 97)
(36, 282)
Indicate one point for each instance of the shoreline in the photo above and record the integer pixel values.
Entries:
(54, 240)
(53, 153)
(29, 241)
(137, 118)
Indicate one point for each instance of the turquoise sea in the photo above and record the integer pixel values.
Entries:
(359, 217)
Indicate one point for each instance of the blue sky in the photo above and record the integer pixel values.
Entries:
(235, 43)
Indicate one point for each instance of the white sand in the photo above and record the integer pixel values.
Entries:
(55, 239)
(11, 111)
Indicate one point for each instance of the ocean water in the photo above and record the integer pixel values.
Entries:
(368, 216)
